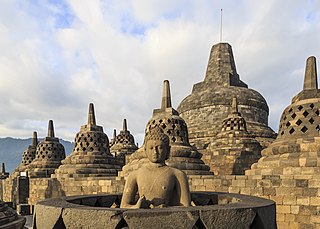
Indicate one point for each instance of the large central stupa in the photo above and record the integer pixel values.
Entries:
(210, 102)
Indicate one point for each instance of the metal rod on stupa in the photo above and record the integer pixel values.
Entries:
(50, 129)
(91, 115)
(166, 96)
(34, 139)
(125, 128)
(310, 77)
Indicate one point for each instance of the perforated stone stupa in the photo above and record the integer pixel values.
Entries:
(233, 150)
(91, 156)
(210, 101)
(182, 155)
(30, 153)
(48, 157)
(124, 144)
(292, 163)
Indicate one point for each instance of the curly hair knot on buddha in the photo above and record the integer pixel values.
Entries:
(156, 133)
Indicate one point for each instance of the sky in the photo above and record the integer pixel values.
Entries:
(57, 56)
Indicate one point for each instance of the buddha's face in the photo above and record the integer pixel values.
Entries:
(157, 151)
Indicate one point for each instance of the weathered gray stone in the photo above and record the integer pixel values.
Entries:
(209, 103)
(161, 218)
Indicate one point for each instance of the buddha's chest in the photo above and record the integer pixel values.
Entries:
(156, 185)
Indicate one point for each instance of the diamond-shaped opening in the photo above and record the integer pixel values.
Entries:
(304, 129)
(284, 118)
(282, 132)
(305, 114)
(318, 128)
(293, 115)
(291, 131)
(311, 106)
(300, 108)
(311, 120)
(298, 122)
(199, 225)
(173, 126)
(173, 139)
(288, 124)
(160, 120)
(290, 110)
(59, 224)
(122, 224)
(317, 112)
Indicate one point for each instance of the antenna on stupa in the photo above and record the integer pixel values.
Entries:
(166, 96)
(220, 25)
(234, 105)
(34, 139)
(310, 77)
(91, 115)
(125, 128)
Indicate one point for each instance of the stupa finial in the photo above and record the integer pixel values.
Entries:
(166, 96)
(234, 105)
(3, 168)
(50, 129)
(114, 133)
(34, 139)
(91, 115)
(125, 128)
(310, 77)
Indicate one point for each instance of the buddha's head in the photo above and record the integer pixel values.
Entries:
(157, 146)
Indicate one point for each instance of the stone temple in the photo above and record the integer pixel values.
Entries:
(210, 102)
(219, 136)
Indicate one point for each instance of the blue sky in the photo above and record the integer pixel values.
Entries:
(57, 56)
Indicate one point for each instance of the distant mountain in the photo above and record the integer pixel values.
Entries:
(11, 150)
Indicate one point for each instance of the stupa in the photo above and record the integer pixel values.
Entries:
(233, 150)
(91, 156)
(30, 153)
(3, 173)
(183, 156)
(289, 168)
(113, 139)
(299, 129)
(123, 145)
(49, 154)
(209, 103)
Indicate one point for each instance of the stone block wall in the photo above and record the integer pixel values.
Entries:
(43, 188)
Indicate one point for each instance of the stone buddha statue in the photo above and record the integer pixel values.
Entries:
(156, 184)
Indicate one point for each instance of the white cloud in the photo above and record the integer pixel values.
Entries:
(58, 56)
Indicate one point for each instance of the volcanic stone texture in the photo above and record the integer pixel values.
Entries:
(91, 155)
(9, 219)
(293, 159)
(210, 102)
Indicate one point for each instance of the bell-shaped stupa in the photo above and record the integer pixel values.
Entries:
(209, 103)
(233, 150)
(30, 153)
(91, 156)
(298, 141)
(123, 145)
(49, 154)
(182, 155)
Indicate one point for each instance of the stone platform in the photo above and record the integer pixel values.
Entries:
(211, 210)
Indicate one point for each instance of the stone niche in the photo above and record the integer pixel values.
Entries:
(211, 210)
